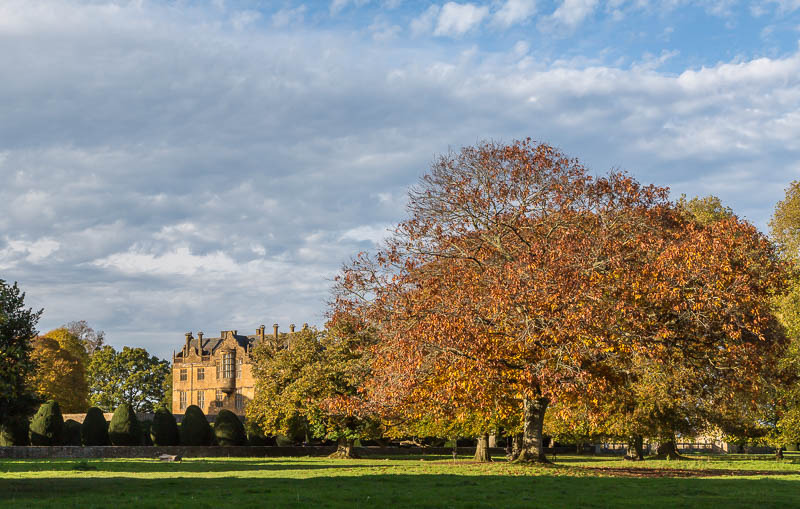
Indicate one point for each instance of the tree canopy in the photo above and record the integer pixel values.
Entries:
(130, 376)
(520, 277)
(17, 327)
(313, 385)
(60, 373)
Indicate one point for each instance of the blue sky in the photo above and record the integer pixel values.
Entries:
(183, 166)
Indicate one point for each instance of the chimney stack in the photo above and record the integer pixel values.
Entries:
(275, 330)
(188, 340)
(291, 327)
(305, 326)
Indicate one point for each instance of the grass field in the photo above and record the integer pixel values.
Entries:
(573, 481)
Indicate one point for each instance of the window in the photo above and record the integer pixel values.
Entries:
(220, 398)
(201, 399)
(227, 366)
(201, 373)
(183, 400)
(239, 369)
(239, 399)
(217, 370)
(183, 375)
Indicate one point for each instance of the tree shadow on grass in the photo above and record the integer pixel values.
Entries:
(139, 466)
(399, 490)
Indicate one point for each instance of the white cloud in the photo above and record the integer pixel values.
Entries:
(513, 12)
(371, 233)
(17, 250)
(571, 13)
(423, 24)
(383, 31)
(286, 17)
(180, 262)
(243, 19)
(457, 19)
(338, 5)
(784, 6)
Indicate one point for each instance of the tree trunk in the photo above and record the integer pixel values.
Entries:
(492, 440)
(532, 450)
(635, 450)
(667, 449)
(482, 450)
(516, 445)
(779, 453)
(344, 449)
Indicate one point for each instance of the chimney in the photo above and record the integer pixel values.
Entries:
(275, 330)
(305, 326)
(291, 327)
(262, 328)
(200, 343)
(188, 340)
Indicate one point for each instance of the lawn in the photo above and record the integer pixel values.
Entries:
(573, 481)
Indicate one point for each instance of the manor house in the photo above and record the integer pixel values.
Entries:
(215, 373)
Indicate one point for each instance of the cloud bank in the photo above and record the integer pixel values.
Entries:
(169, 169)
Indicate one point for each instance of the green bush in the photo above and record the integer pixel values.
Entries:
(228, 429)
(14, 431)
(164, 430)
(94, 430)
(47, 425)
(124, 428)
(72, 432)
(195, 429)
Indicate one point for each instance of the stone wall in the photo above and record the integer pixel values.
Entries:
(30, 452)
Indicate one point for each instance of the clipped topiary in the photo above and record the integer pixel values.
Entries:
(195, 429)
(94, 430)
(47, 425)
(164, 430)
(72, 432)
(14, 431)
(124, 428)
(228, 429)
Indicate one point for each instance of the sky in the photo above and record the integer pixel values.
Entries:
(175, 166)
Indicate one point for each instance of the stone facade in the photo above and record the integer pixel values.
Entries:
(215, 373)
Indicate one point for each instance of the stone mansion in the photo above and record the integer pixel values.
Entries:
(215, 373)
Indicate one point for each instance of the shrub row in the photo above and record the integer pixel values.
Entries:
(47, 427)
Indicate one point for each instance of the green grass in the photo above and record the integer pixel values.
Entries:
(573, 481)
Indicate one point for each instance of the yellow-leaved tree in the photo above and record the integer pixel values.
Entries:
(60, 373)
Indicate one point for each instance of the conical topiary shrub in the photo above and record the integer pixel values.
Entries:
(164, 430)
(195, 429)
(124, 428)
(47, 425)
(72, 432)
(94, 430)
(229, 429)
(14, 431)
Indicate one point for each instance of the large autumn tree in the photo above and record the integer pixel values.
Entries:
(17, 327)
(518, 276)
